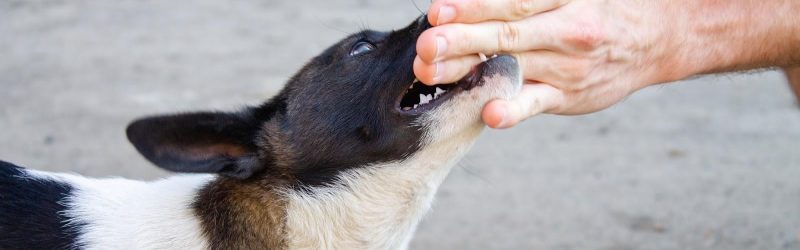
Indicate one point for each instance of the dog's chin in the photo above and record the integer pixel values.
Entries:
(457, 111)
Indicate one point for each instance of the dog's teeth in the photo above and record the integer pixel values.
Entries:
(482, 56)
(423, 99)
(439, 92)
(412, 83)
(495, 55)
(415, 105)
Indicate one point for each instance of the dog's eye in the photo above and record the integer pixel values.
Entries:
(361, 47)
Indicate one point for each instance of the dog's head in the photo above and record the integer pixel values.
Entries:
(355, 105)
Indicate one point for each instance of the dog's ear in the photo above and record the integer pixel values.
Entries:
(209, 142)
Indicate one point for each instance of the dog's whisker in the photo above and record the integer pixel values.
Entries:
(326, 25)
(417, 7)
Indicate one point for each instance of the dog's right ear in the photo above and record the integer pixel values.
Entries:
(207, 142)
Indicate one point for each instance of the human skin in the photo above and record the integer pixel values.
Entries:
(582, 56)
(793, 75)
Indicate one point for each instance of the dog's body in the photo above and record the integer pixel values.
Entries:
(348, 156)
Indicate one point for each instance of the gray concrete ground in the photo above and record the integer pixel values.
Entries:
(712, 163)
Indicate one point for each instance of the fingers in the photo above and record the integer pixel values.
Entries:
(533, 99)
(474, 11)
(540, 66)
(445, 42)
(448, 71)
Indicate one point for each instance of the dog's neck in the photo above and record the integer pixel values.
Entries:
(376, 207)
(373, 207)
(237, 214)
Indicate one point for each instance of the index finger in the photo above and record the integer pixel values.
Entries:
(474, 11)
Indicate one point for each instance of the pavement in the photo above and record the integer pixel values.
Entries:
(708, 163)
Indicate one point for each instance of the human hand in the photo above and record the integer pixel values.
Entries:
(793, 76)
(577, 57)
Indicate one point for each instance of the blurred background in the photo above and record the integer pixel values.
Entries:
(711, 163)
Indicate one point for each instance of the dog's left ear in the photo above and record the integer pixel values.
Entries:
(208, 142)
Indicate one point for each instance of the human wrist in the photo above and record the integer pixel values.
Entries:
(737, 35)
(663, 30)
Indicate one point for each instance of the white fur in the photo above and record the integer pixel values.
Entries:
(125, 214)
(379, 207)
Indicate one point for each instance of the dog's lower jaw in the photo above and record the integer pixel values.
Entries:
(376, 207)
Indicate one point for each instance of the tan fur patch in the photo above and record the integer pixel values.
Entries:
(243, 214)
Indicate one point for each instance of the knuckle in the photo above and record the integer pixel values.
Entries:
(509, 37)
(523, 8)
(586, 37)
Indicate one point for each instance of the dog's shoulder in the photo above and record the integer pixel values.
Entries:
(31, 211)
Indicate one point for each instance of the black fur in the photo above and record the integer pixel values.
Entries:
(199, 142)
(31, 212)
(339, 111)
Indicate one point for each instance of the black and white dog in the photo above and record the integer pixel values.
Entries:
(347, 156)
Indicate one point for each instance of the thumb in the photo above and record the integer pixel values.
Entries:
(534, 98)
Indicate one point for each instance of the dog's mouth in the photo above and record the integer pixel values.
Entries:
(420, 97)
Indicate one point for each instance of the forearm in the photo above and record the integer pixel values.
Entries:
(720, 36)
(793, 75)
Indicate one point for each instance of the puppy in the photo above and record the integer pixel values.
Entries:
(347, 156)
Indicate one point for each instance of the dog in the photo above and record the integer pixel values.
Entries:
(348, 155)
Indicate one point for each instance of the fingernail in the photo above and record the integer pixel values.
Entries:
(441, 46)
(446, 15)
(437, 75)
